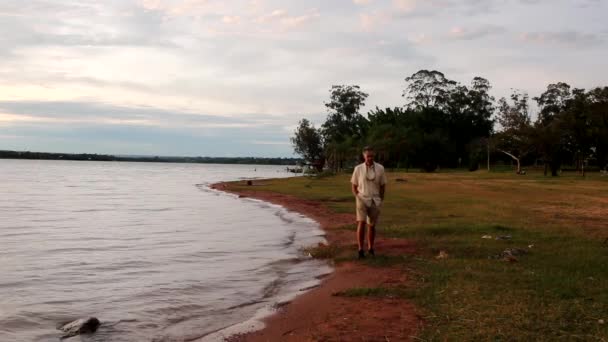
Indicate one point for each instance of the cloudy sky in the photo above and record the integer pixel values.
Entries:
(232, 78)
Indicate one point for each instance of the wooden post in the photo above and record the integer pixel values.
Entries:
(488, 148)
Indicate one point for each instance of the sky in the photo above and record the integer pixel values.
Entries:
(234, 77)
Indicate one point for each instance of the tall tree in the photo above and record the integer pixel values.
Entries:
(345, 127)
(549, 136)
(469, 118)
(514, 139)
(427, 89)
(553, 101)
(307, 142)
(598, 121)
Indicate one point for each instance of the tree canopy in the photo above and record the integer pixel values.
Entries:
(443, 123)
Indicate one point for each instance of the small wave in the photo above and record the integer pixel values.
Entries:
(246, 304)
(150, 209)
(91, 210)
(284, 216)
(272, 289)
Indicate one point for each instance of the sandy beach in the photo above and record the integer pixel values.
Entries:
(322, 314)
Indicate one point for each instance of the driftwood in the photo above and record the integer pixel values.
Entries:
(514, 158)
(78, 327)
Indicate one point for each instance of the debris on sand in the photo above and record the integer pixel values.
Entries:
(510, 254)
(504, 237)
(510, 258)
(442, 255)
(489, 237)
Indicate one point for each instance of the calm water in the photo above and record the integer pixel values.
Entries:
(145, 247)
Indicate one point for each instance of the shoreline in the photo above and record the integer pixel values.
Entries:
(320, 314)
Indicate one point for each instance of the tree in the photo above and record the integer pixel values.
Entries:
(598, 122)
(449, 124)
(515, 138)
(469, 118)
(548, 133)
(548, 139)
(553, 101)
(307, 142)
(344, 125)
(517, 115)
(427, 89)
(389, 133)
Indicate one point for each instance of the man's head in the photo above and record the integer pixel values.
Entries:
(368, 155)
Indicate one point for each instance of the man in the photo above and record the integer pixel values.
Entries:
(368, 185)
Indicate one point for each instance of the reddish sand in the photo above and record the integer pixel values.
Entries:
(320, 315)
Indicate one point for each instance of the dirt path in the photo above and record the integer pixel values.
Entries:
(320, 315)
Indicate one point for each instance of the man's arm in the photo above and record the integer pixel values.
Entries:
(353, 182)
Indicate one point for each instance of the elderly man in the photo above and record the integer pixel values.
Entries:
(368, 185)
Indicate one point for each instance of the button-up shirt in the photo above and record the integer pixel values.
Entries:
(368, 180)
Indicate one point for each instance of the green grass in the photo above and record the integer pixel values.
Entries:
(557, 291)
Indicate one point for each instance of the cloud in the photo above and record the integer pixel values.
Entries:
(405, 5)
(266, 142)
(235, 67)
(372, 21)
(460, 33)
(570, 38)
(234, 19)
(63, 112)
(177, 8)
(420, 38)
(98, 127)
(285, 21)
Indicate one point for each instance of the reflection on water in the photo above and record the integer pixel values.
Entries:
(143, 248)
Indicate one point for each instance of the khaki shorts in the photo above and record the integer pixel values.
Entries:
(369, 214)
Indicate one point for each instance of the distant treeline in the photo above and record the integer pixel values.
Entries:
(156, 159)
(446, 124)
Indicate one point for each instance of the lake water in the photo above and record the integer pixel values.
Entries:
(145, 247)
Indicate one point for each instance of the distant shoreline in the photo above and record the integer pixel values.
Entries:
(147, 159)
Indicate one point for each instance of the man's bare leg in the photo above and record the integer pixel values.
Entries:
(371, 236)
(360, 234)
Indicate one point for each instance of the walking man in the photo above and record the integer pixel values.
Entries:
(368, 185)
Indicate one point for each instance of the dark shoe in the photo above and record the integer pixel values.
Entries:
(371, 252)
(361, 254)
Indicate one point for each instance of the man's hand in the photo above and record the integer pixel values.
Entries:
(355, 190)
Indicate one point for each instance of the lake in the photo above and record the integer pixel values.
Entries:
(147, 248)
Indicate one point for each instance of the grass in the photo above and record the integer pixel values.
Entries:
(557, 291)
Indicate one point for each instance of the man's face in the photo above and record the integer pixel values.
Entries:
(369, 157)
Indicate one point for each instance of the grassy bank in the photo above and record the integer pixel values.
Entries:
(555, 288)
